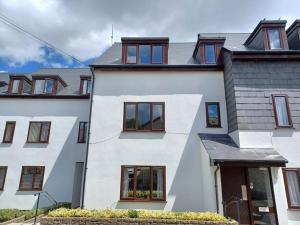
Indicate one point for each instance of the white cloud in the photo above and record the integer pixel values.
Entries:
(83, 28)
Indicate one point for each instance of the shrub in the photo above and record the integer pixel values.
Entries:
(144, 214)
(132, 213)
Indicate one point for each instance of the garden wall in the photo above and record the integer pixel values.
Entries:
(113, 221)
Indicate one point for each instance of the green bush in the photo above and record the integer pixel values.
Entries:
(132, 213)
(144, 214)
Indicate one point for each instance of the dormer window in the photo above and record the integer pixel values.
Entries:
(145, 51)
(274, 39)
(47, 85)
(19, 85)
(85, 85)
(268, 35)
(44, 86)
(207, 50)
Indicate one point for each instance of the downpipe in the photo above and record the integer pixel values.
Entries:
(216, 187)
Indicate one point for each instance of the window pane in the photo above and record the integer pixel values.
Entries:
(281, 110)
(9, 132)
(82, 132)
(39, 86)
(293, 186)
(157, 54)
(213, 114)
(143, 182)
(86, 86)
(45, 132)
(144, 116)
(49, 86)
(157, 110)
(210, 56)
(2, 176)
(274, 39)
(131, 54)
(144, 54)
(34, 132)
(38, 178)
(128, 183)
(157, 183)
(130, 120)
(88, 89)
(15, 87)
(27, 178)
(26, 87)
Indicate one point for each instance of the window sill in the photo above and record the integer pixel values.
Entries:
(143, 201)
(146, 131)
(284, 127)
(30, 190)
(27, 142)
(214, 127)
(294, 209)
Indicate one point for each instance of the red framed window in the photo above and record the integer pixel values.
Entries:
(82, 132)
(3, 171)
(292, 186)
(145, 54)
(209, 53)
(32, 178)
(143, 183)
(9, 132)
(38, 132)
(85, 85)
(213, 116)
(19, 85)
(44, 86)
(144, 116)
(282, 111)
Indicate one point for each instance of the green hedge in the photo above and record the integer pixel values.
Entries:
(144, 214)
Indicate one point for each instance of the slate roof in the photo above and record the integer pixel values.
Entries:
(221, 148)
(70, 75)
(180, 53)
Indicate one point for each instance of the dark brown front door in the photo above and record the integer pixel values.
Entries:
(248, 195)
(234, 183)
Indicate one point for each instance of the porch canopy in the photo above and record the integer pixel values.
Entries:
(222, 150)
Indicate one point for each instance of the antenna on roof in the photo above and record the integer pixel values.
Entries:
(112, 34)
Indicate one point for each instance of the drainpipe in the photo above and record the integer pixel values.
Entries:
(216, 187)
(88, 141)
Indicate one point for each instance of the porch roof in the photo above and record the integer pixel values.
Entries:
(223, 150)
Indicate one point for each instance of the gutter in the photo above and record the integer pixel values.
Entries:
(216, 187)
(88, 142)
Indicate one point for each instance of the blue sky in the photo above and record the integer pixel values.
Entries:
(83, 28)
(53, 59)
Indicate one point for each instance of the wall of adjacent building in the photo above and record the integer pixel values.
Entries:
(189, 182)
(58, 156)
(253, 82)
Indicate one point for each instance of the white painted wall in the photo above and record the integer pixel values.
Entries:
(58, 157)
(286, 142)
(179, 148)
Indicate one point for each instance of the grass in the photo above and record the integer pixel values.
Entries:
(143, 214)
